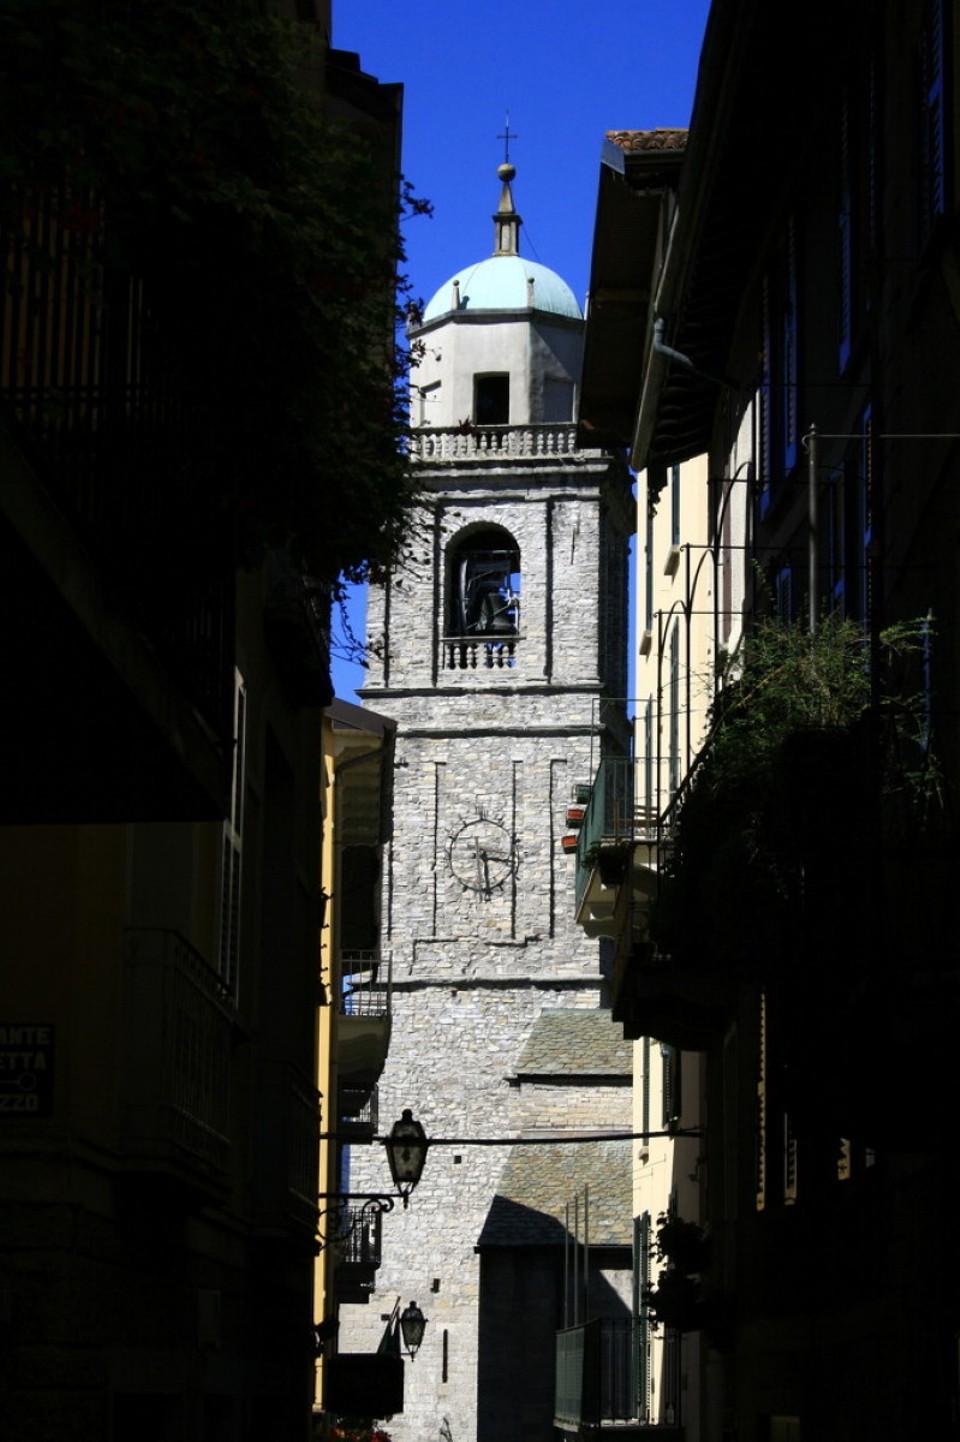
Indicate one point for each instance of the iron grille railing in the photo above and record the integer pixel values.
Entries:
(595, 1375)
(359, 1110)
(369, 998)
(286, 1139)
(177, 1060)
(359, 1236)
(292, 1104)
(612, 818)
(352, 960)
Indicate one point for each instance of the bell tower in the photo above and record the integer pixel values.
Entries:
(497, 646)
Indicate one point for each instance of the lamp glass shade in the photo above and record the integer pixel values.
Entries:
(412, 1323)
(406, 1151)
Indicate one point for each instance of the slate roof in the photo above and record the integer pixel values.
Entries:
(537, 1182)
(576, 1043)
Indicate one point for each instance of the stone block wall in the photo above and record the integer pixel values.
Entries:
(478, 912)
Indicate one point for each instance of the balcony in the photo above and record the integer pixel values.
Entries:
(617, 843)
(353, 959)
(358, 1245)
(680, 1005)
(357, 1113)
(364, 1384)
(288, 1134)
(177, 1022)
(596, 1386)
(493, 443)
(363, 1026)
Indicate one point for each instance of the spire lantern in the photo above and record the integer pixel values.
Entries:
(506, 222)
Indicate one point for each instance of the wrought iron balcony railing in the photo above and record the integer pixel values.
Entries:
(288, 1106)
(613, 819)
(368, 998)
(353, 960)
(358, 1237)
(596, 1376)
(358, 1110)
(177, 1059)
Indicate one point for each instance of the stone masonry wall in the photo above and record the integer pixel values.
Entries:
(478, 903)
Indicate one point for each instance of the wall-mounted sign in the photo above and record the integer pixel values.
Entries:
(26, 1068)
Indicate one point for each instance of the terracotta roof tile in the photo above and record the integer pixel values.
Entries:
(665, 139)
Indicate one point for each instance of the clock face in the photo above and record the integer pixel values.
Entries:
(482, 855)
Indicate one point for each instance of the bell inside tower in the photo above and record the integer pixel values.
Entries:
(485, 586)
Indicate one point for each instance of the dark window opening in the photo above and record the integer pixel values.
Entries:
(557, 400)
(485, 586)
(491, 400)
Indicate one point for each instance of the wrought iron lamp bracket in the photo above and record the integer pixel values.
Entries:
(371, 1204)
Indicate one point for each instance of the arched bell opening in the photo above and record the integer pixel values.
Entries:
(482, 599)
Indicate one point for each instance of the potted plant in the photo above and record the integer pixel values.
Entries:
(611, 859)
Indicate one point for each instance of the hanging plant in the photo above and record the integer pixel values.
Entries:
(807, 746)
(681, 1244)
(187, 144)
(358, 1429)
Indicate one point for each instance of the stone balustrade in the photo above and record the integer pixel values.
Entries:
(478, 653)
(472, 443)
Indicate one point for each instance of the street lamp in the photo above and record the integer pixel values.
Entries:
(406, 1148)
(412, 1323)
(406, 1153)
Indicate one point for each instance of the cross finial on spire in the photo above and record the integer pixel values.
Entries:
(506, 136)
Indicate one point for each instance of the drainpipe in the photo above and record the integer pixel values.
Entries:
(668, 350)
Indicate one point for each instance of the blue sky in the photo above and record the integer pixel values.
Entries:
(565, 70)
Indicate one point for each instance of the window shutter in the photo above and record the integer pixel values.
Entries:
(765, 418)
(933, 129)
(762, 1107)
(670, 1058)
(231, 860)
(845, 241)
(789, 358)
(641, 1336)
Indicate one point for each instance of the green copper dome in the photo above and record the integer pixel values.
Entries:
(502, 282)
(505, 280)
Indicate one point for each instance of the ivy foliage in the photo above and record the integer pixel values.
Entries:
(812, 751)
(190, 141)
